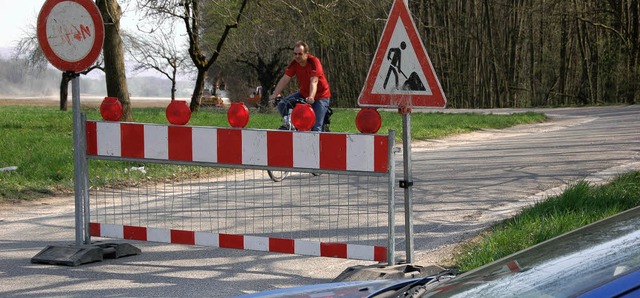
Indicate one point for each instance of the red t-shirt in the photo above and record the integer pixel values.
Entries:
(313, 68)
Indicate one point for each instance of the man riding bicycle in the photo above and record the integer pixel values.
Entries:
(314, 87)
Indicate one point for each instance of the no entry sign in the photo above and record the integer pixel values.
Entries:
(70, 33)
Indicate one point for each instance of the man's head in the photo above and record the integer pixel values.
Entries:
(301, 52)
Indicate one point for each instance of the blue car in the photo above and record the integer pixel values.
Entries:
(599, 260)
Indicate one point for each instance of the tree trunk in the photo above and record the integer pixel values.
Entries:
(635, 51)
(173, 83)
(564, 60)
(64, 91)
(196, 97)
(113, 52)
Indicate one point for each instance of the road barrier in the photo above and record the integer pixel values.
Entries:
(346, 212)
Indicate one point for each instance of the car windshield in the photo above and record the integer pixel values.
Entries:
(564, 266)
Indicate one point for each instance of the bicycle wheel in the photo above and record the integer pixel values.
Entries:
(277, 176)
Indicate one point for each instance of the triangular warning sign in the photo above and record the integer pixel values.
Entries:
(401, 74)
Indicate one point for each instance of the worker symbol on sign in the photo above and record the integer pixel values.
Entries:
(412, 82)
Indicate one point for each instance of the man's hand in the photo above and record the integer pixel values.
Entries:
(310, 100)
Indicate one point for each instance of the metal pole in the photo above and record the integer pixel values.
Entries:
(77, 155)
(85, 179)
(391, 245)
(407, 183)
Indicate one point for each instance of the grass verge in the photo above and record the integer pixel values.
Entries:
(578, 205)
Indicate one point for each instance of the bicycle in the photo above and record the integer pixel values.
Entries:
(278, 176)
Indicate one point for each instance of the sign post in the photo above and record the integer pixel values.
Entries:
(401, 75)
(71, 35)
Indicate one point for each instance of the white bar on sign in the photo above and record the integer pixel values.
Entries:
(207, 239)
(305, 247)
(111, 231)
(108, 135)
(360, 252)
(205, 144)
(156, 142)
(360, 153)
(306, 150)
(254, 147)
(158, 235)
(256, 243)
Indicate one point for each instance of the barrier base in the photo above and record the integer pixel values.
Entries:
(357, 273)
(73, 255)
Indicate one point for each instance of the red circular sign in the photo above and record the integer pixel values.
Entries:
(70, 33)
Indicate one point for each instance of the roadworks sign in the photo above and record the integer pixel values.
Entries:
(401, 74)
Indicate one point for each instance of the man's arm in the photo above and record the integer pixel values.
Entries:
(280, 86)
(313, 88)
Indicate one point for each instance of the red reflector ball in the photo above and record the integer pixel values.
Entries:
(368, 120)
(178, 112)
(303, 117)
(238, 115)
(111, 109)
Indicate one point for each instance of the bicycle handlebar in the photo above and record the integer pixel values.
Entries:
(296, 99)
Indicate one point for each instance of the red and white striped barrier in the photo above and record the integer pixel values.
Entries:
(231, 146)
(279, 245)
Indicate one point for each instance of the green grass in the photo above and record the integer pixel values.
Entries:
(579, 205)
(39, 141)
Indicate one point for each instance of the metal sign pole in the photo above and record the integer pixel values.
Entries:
(77, 157)
(407, 183)
(391, 245)
(85, 178)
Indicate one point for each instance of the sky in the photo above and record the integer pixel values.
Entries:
(18, 17)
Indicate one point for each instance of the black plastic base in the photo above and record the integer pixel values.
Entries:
(77, 255)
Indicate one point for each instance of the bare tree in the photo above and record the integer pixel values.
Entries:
(28, 50)
(191, 13)
(156, 51)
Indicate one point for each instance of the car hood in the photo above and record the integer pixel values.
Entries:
(570, 264)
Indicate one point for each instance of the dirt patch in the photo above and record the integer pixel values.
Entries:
(28, 102)
(60, 200)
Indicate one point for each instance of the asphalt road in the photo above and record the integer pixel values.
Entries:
(462, 185)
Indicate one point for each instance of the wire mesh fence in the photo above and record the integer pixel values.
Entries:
(326, 208)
